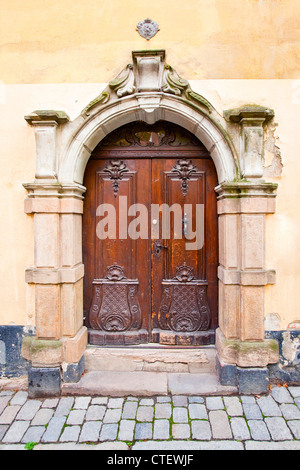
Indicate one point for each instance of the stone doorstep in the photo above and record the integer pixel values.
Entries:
(151, 359)
(139, 383)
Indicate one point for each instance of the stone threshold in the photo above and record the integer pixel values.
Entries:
(151, 358)
(149, 370)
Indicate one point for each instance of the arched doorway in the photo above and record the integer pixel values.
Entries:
(150, 238)
(149, 90)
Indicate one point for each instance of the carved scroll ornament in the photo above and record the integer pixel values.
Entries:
(165, 78)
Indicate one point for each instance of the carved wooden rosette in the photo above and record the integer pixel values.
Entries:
(184, 306)
(115, 306)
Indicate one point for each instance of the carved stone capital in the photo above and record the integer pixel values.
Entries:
(246, 189)
(250, 114)
(251, 119)
(41, 117)
(45, 123)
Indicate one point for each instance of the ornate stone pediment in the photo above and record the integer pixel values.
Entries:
(148, 72)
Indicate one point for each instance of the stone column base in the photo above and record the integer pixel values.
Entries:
(46, 382)
(54, 362)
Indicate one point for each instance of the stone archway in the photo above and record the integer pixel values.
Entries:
(148, 90)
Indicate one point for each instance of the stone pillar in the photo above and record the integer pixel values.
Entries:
(243, 351)
(56, 352)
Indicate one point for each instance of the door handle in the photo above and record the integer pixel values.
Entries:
(158, 246)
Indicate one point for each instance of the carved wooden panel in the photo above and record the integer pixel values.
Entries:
(115, 305)
(184, 306)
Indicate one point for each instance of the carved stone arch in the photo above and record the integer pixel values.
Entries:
(149, 90)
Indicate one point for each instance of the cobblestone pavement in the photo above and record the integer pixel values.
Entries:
(161, 422)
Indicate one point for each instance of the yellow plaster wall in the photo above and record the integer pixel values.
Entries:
(17, 154)
(79, 41)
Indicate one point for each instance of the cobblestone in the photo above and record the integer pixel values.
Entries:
(201, 430)
(33, 434)
(244, 422)
(233, 406)
(240, 429)
(214, 403)
(181, 431)
(109, 432)
(54, 429)
(129, 410)
(163, 410)
(161, 429)
(278, 429)
(180, 415)
(70, 434)
(29, 410)
(268, 406)
(220, 424)
(126, 430)
(259, 430)
(95, 412)
(145, 413)
(197, 411)
(90, 431)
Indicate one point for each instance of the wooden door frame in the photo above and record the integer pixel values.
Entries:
(235, 142)
(167, 150)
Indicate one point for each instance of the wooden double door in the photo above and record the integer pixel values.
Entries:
(150, 239)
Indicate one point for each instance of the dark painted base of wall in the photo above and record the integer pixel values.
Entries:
(256, 380)
(12, 363)
(47, 381)
(288, 368)
(249, 380)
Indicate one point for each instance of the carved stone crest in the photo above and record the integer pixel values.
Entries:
(147, 28)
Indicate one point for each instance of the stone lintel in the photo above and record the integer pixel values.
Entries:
(246, 353)
(42, 117)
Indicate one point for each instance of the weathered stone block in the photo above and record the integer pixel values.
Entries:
(44, 382)
(253, 380)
